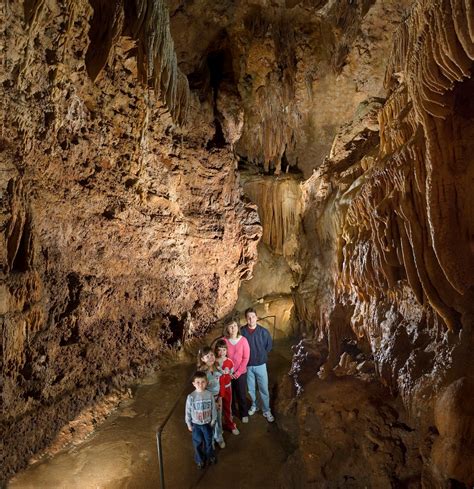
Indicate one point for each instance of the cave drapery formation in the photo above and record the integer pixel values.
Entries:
(125, 230)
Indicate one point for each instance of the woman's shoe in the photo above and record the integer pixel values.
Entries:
(221, 443)
(245, 419)
(235, 431)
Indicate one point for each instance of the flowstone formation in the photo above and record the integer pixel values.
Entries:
(125, 230)
(283, 75)
(122, 235)
(389, 260)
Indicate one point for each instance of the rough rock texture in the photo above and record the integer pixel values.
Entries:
(269, 291)
(389, 259)
(283, 75)
(346, 432)
(124, 233)
(121, 233)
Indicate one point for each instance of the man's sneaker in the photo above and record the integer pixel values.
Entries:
(245, 419)
(269, 416)
(253, 410)
(235, 431)
(201, 465)
(212, 460)
(221, 443)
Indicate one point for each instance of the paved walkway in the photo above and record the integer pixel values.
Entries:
(121, 454)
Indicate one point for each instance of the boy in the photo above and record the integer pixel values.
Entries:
(200, 417)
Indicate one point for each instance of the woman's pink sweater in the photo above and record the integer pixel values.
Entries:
(239, 354)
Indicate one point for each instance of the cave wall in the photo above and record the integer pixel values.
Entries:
(269, 291)
(284, 75)
(390, 215)
(124, 230)
(122, 234)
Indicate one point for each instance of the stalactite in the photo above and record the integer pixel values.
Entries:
(273, 118)
(422, 173)
(147, 22)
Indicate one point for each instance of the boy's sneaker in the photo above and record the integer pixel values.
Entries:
(221, 443)
(269, 416)
(201, 465)
(253, 410)
(212, 460)
(245, 419)
(235, 431)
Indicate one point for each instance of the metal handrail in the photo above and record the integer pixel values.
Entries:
(161, 427)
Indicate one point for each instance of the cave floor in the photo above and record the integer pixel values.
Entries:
(122, 451)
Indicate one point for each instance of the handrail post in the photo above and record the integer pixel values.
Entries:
(274, 324)
(160, 459)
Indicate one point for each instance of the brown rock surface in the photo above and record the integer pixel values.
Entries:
(124, 231)
(388, 258)
(347, 431)
(121, 233)
(285, 73)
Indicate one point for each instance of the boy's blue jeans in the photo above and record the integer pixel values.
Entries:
(202, 442)
(258, 375)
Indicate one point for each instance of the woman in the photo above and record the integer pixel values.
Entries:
(238, 351)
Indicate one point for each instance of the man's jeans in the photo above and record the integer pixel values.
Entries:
(259, 376)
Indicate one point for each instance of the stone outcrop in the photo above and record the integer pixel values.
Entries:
(390, 216)
(124, 229)
(122, 235)
(346, 431)
(269, 291)
(283, 75)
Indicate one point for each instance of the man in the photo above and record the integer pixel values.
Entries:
(260, 343)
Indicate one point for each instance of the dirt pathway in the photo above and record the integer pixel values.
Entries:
(121, 454)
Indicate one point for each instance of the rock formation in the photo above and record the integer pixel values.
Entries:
(390, 216)
(122, 234)
(131, 130)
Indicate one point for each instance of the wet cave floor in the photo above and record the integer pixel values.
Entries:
(122, 454)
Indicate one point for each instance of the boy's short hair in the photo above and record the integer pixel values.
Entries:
(220, 344)
(199, 374)
(249, 310)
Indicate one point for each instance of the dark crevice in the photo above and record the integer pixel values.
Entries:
(176, 331)
(74, 290)
(22, 258)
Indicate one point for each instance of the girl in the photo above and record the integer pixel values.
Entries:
(238, 350)
(207, 363)
(226, 366)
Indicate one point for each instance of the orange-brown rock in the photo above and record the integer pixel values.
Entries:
(122, 235)
(388, 257)
(284, 74)
(346, 431)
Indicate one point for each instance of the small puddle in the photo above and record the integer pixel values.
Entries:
(121, 454)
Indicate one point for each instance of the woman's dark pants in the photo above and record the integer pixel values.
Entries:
(239, 396)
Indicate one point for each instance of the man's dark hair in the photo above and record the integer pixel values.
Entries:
(199, 374)
(250, 309)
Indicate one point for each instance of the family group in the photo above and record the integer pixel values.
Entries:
(224, 374)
